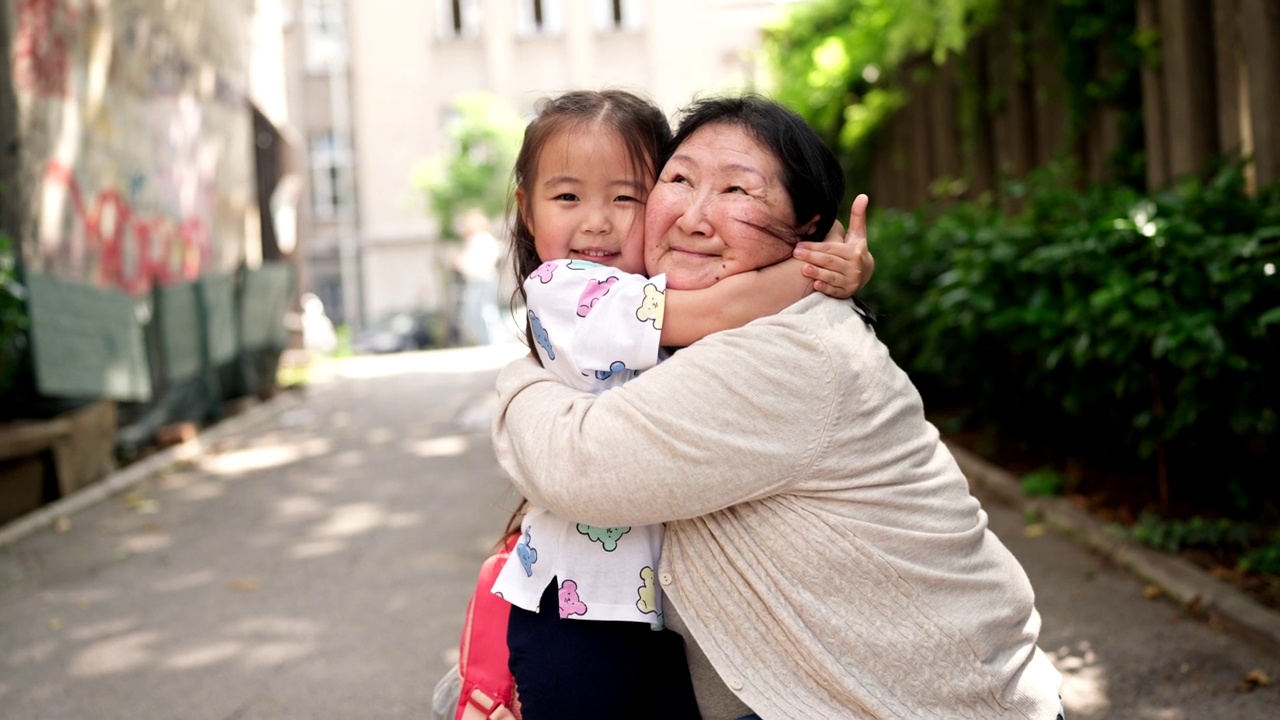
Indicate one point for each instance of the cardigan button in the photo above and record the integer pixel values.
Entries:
(735, 684)
(665, 578)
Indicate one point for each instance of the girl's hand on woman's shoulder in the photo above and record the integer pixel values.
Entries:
(841, 264)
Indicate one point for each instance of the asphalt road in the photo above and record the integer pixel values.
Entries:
(317, 565)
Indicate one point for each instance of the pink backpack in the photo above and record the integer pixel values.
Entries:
(488, 690)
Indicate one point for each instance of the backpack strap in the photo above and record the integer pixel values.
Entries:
(488, 690)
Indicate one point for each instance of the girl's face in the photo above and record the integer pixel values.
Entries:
(586, 201)
(719, 208)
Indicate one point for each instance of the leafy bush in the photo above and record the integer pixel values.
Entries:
(1044, 482)
(13, 317)
(1196, 533)
(1138, 331)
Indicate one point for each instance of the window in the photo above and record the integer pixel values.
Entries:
(326, 34)
(457, 19)
(332, 194)
(616, 15)
(538, 17)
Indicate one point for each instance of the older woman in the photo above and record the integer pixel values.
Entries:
(822, 548)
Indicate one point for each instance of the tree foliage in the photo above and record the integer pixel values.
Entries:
(484, 136)
(837, 60)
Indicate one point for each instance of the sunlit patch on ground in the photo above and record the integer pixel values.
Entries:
(114, 655)
(452, 361)
(450, 446)
(1084, 682)
(205, 655)
(353, 519)
(186, 581)
(238, 462)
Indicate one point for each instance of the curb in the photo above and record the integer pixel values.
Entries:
(150, 466)
(1180, 579)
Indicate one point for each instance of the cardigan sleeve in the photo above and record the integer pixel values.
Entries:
(735, 417)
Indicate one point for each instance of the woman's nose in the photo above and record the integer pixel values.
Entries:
(694, 219)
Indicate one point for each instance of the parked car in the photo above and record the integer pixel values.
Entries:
(398, 332)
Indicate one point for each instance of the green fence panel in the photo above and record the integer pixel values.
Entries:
(87, 342)
(218, 292)
(178, 315)
(264, 299)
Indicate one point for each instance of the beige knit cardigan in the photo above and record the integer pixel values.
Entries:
(822, 542)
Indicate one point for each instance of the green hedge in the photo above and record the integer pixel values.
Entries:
(1134, 332)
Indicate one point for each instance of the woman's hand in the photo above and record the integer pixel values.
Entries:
(841, 264)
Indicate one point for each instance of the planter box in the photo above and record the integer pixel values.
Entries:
(78, 447)
(21, 486)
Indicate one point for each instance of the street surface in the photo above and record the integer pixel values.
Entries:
(319, 565)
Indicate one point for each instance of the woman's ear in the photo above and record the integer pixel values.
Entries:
(522, 208)
(807, 229)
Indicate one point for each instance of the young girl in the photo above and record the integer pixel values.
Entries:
(585, 633)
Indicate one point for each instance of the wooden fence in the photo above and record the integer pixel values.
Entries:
(1210, 88)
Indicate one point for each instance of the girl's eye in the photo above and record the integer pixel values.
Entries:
(626, 198)
(566, 197)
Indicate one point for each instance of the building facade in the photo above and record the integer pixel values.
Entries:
(372, 85)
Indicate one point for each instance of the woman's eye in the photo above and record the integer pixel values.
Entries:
(736, 189)
(678, 178)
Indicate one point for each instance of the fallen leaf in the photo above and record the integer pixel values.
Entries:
(1151, 592)
(244, 584)
(62, 524)
(1034, 530)
(55, 623)
(1253, 680)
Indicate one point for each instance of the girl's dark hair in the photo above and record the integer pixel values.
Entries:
(642, 127)
(811, 173)
(644, 130)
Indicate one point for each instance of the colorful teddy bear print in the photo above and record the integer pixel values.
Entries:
(592, 293)
(544, 272)
(648, 592)
(570, 604)
(527, 554)
(652, 307)
(616, 366)
(607, 537)
(540, 335)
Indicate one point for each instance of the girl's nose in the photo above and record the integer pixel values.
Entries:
(596, 222)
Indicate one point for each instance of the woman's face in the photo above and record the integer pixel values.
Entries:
(719, 209)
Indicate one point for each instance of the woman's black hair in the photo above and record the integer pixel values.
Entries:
(811, 174)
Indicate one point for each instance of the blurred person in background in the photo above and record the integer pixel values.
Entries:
(477, 261)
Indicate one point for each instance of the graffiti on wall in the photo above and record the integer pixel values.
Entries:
(40, 46)
(135, 250)
(136, 139)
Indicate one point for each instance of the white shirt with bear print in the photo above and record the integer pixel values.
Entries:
(595, 327)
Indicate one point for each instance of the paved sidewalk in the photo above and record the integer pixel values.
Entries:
(312, 559)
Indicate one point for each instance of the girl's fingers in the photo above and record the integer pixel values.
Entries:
(858, 218)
